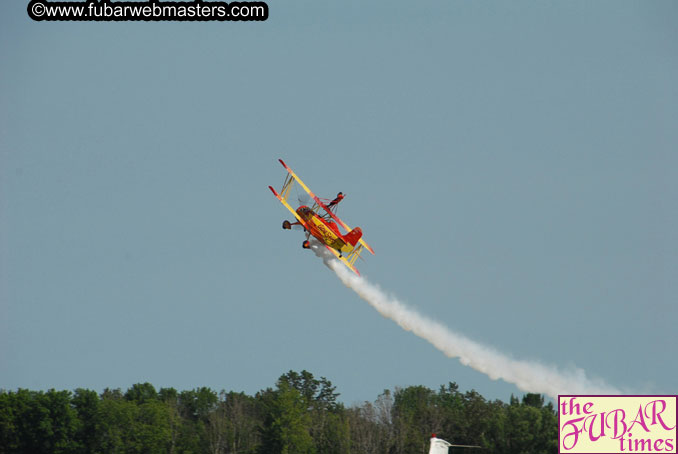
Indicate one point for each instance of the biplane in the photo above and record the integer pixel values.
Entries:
(321, 221)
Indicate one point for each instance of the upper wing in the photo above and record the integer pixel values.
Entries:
(322, 205)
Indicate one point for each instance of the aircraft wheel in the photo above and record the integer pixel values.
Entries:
(306, 245)
(287, 225)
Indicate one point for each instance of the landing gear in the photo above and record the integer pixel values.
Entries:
(287, 225)
(306, 245)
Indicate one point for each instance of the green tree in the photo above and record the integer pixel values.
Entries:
(454, 423)
(477, 413)
(86, 405)
(533, 400)
(141, 393)
(118, 420)
(244, 418)
(198, 403)
(153, 428)
(329, 427)
(195, 407)
(416, 414)
(170, 398)
(9, 437)
(530, 426)
(35, 421)
(130, 427)
(286, 429)
(371, 426)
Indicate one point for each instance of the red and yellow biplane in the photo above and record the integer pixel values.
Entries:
(323, 225)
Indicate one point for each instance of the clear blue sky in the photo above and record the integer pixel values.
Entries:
(514, 165)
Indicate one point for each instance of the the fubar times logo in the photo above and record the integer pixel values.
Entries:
(617, 424)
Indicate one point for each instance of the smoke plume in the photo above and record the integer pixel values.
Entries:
(528, 376)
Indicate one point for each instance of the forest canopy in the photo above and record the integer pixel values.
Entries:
(299, 415)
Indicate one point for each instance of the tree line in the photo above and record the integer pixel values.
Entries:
(300, 415)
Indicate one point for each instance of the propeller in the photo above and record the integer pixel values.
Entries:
(304, 199)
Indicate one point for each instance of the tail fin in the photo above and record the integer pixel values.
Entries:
(353, 236)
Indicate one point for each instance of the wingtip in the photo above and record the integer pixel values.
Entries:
(367, 246)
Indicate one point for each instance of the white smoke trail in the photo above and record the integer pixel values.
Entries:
(528, 376)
